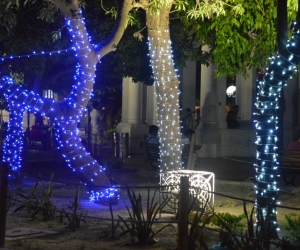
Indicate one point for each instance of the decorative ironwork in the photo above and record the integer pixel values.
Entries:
(201, 186)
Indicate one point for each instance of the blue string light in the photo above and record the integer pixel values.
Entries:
(63, 115)
(35, 54)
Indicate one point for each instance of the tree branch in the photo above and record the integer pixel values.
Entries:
(111, 42)
(66, 6)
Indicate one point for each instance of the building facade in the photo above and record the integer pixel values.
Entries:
(139, 111)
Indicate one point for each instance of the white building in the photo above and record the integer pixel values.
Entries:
(139, 111)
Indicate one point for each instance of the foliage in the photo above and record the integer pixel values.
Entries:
(293, 226)
(35, 206)
(140, 225)
(259, 237)
(74, 218)
(230, 225)
(241, 37)
(207, 9)
(155, 6)
(256, 238)
(198, 221)
(114, 226)
(39, 26)
(231, 220)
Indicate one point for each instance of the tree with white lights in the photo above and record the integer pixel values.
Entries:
(280, 69)
(165, 76)
(246, 42)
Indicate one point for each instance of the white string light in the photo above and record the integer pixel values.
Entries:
(269, 89)
(166, 82)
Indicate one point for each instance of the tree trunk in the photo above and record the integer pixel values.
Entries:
(65, 115)
(280, 69)
(167, 94)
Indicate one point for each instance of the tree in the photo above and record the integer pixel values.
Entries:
(165, 76)
(88, 56)
(41, 27)
(281, 67)
(242, 43)
(65, 115)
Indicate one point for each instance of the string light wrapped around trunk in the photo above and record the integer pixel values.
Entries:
(269, 89)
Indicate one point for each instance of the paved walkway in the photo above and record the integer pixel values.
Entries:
(228, 168)
(224, 168)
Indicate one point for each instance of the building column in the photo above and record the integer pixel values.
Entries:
(188, 95)
(208, 96)
(131, 123)
(207, 132)
(245, 91)
(221, 103)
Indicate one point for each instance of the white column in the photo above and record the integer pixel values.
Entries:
(221, 103)
(208, 95)
(189, 85)
(245, 88)
(207, 132)
(132, 102)
(151, 112)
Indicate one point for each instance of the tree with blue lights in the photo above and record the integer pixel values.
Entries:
(65, 115)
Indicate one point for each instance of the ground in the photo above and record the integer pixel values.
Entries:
(234, 179)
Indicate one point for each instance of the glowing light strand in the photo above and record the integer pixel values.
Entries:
(166, 82)
(35, 54)
(64, 115)
(269, 89)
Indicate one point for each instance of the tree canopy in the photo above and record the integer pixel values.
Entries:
(240, 41)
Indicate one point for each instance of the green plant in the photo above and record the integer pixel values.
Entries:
(198, 221)
(30, 202)
(259, 237)
(74, 218)
(293, 226)
(254, 237)
(227, 221)
(36, 206)
(114, 226)
(140, 225)
(232, 221)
